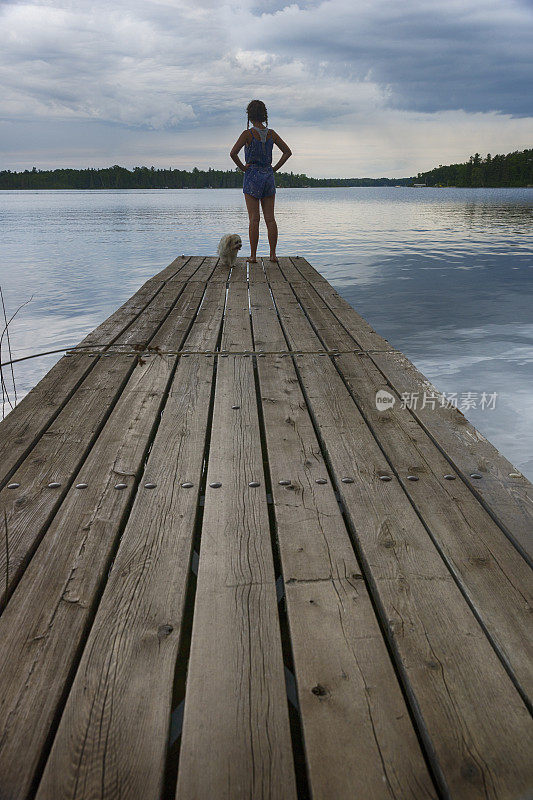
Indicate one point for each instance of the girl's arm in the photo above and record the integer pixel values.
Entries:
(237, 147)
(285, 149)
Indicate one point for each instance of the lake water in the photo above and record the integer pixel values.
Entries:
(446, 275)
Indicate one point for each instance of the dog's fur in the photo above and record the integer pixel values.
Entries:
(228, 248)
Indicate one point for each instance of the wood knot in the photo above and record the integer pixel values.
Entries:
(432, 665)
(319, 690)
(164, 630)
(469, 770)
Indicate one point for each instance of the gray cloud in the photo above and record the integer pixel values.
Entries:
(155, 63)
(364, 68)
(461, 54)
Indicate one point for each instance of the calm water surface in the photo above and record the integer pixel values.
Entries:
(445, 274)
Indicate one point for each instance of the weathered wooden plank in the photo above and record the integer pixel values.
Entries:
(245, 271)
(488, 568)
(57, 455)
(44, 623)
(236, 740)
(106, 332)
(351, 704)
(290, 271)
(220, 274)
(474, 724)
(273, 271)
(302, 269)
(239, 273)
(43, 626)
(115, 324)
(506, 494)
(366, 336)
(25, 424)
(256, 273)
(112, 739)
(174, 268)
(197, 269)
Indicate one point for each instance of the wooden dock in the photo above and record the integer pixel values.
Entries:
(225, 573)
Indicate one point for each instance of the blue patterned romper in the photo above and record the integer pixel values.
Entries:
(259, 177)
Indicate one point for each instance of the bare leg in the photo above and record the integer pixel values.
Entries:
(252, 204)
(267, 204)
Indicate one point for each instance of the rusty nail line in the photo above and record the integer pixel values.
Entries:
(223, 353)
(188, 485)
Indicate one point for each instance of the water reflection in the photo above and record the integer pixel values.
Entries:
(445, 274)
(497, 215)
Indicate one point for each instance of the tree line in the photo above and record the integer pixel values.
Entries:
(513, 169)
(117, 177)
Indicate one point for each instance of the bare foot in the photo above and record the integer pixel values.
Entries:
(252, 260)
(273, 260)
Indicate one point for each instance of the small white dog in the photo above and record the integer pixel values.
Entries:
(228, 248)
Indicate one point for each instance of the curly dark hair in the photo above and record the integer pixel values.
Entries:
(256, 111)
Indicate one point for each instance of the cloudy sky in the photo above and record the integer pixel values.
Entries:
(356, 87)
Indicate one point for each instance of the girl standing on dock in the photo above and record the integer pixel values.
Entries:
(259, 185)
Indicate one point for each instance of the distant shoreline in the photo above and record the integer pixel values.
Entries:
(513, 170)
(196, 188)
